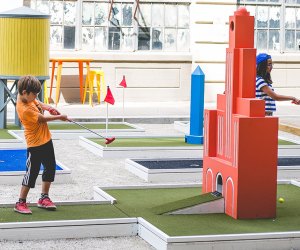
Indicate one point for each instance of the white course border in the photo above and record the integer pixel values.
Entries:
(160, 240)
(12, 143)
(190, 174)
(182, 126)
(164, 175)
(75, 133)
(18, 139)
(63, 203)
(288, 150)
(138, 226)
(67, 229)
(141, 152)
(161, 152)
(15, 177)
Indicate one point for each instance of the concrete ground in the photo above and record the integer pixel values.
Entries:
(119, 243)
(89, 170)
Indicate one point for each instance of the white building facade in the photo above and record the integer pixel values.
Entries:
(157, 44)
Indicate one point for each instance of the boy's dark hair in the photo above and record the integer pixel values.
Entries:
(29, 84)
(261, 70)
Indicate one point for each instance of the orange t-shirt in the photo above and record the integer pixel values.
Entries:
(36, 133)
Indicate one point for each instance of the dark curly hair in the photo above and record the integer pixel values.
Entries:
(261, 70)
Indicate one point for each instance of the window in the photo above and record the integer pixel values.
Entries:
(277, 24)
(122, 26)
(63, 21)
(100, 34)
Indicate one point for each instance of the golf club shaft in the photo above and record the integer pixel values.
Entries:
(87, 128)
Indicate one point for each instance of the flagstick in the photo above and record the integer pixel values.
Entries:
(123, 107)
(106, 125)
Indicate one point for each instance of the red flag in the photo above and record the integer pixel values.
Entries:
(109, 97)
(123, 83)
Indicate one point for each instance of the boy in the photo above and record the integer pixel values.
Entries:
(39, 144)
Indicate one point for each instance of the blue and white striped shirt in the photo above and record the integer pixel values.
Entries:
(270, 103)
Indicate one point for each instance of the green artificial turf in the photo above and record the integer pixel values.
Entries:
(139, 203)
(4, 133)
(184, 203)
(72, 126)
(74, 212)
(146, 142)
(284, 142)
(157, 142)
(65, 126)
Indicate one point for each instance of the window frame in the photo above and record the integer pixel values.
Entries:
(282, 29)
(79, 27)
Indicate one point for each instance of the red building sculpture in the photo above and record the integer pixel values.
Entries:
(240, 143)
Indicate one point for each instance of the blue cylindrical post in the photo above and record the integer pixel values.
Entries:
(197, 108)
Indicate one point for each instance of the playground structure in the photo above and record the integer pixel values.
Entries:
(240, 148)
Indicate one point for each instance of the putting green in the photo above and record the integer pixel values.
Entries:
(146, 142)
(76, 212)
(139, 203)
(158, 142)
(4, 133)
(71, 126)
(65, 126)
(284, 142)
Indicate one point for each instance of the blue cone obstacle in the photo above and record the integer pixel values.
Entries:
(197, 108)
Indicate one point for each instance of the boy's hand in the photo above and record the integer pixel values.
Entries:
(64, 118)
(296, 101)
(53, 111)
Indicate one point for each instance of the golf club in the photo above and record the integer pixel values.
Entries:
(107, 140)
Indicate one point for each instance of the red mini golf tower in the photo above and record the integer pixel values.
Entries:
(240, 143)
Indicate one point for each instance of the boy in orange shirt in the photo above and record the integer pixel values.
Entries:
(39, 143)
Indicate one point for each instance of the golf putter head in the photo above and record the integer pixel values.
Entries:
(109, 140)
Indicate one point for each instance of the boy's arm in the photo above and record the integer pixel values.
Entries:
(47, 118)
(55, 114)
(49, 108)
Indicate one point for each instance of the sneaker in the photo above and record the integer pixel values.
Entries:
(46, 203)
(22, 208)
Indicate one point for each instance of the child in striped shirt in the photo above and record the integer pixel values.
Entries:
(264, 89)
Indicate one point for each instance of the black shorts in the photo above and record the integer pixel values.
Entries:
(36, 156)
